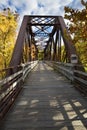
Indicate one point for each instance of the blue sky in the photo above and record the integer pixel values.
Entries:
(39, 7)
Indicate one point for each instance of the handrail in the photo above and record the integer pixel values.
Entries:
(11, 86)
(65, 69)
(80, 81)
(77, 77)
(3, 72)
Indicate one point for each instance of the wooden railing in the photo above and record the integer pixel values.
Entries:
(77, 77)
(11, 86)
(3, 72)
(65, 69)
(80, 81)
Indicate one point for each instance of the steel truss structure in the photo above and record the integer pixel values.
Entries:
(47, 32)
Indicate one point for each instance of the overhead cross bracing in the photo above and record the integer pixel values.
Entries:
(41, 27)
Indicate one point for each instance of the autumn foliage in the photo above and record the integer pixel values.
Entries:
(77, 26)
(8, 26)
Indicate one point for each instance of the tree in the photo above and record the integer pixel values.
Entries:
(40, 55)
(8, 26)
(78, 28)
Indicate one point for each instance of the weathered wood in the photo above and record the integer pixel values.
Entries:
(77, 77)
(47, 102)
(11, 86)
(80, 81)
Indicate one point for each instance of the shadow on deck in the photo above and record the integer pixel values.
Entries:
(47, 102)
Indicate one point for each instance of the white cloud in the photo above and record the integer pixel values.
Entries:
(51, 7)
(33, 5)
(76, 4)
(4, 2)
(38, 7)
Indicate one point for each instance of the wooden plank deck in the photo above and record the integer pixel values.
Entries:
(47, 102)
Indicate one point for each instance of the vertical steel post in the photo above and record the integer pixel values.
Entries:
(18, 50)
(59, 46)
(67, 39)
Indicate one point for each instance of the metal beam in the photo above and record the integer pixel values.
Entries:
(66, 37)
(18, 50)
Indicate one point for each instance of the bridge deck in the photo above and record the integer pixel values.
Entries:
(47, 102)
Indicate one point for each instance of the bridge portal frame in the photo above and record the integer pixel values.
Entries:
(43, 24)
